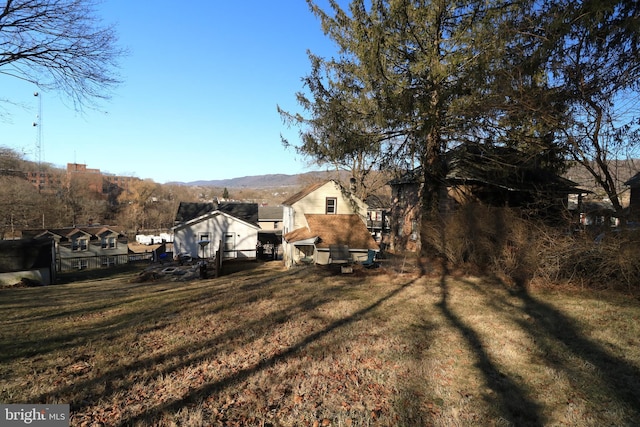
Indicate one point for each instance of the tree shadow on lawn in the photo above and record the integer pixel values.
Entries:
(122, 378)
(79, 334)
(44, 305)
(147, 320)
(621, 378)
(550, 329)
(511, 399)
(153, 415)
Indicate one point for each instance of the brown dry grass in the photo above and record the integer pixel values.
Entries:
(266, 346)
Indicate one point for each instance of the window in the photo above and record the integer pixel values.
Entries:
(109, 242)
(81, 264)
(332, 205)
(108, 261)
(79, 244)
(204, 237)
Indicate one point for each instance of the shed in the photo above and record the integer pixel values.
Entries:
(32, 259)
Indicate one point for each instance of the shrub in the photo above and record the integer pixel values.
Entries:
(501, 241)
(485, 238)
(608, 262)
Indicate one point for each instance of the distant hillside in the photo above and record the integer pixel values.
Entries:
(257, 181)
(262, 181)
(622, 170)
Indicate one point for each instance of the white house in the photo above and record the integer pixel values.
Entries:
(319, 216)
(231, 227)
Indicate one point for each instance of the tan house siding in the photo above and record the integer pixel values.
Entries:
(313, 201)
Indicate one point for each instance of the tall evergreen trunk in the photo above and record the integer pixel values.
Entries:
(434, 171)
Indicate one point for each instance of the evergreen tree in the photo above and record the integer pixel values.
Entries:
(407, 84)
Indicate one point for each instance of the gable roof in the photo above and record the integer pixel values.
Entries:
(67, 232)
(247, 212)
(299, 235)
(212, 214)
(342, 229)
(188, 210)
(304, 193)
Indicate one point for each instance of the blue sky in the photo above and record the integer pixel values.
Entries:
(198, 102)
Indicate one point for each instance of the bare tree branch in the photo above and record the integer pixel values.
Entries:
(60, 45)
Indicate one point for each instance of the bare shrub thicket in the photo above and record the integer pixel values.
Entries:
(501, 241)
(609, 261)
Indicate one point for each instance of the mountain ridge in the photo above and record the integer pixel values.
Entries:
(261, 181)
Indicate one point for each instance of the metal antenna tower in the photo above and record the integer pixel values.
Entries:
(38, 125)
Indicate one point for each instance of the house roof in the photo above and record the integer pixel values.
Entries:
(302, 194)
(499, 167)
(344, 229)
(67, 232)
(270, 213)
(247, 212)
(299, 235)
(188, 211)
(212, 214)
(505, 168)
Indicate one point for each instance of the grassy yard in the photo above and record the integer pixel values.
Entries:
(308, 346)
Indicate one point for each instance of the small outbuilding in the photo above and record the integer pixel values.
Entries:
(27, 260)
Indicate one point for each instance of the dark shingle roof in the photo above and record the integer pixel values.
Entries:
(245, 211)
(498, 167)
(188, 211)
(94, 231)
